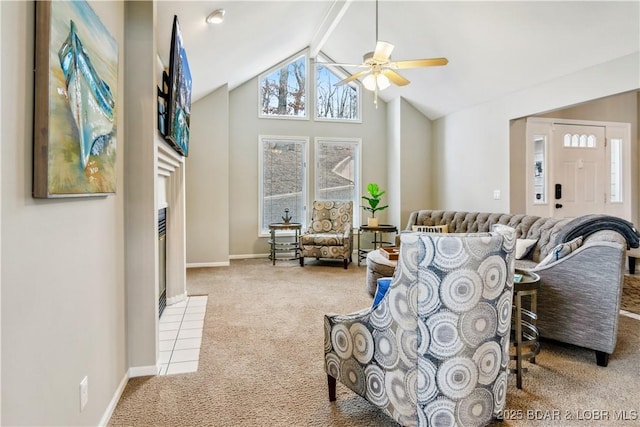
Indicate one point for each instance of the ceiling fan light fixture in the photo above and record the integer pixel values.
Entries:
(369, 82)
(216, 17)
(383, 82)
(376, 80)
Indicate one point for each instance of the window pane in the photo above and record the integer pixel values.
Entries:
(336, 102)
(283, 179)
(616, 170)
(283, 90)
(337, 166)
(539, 168)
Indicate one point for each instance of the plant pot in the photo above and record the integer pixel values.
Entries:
(372, 222)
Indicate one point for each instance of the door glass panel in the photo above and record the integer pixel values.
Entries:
(539, 169)
(616, 170)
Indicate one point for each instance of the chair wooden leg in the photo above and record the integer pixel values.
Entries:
(332, 388)
(301, 261)
(346, 264)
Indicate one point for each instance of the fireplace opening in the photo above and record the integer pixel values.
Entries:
(162, 260)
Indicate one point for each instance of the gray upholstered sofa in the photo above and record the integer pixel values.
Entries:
(579, 299)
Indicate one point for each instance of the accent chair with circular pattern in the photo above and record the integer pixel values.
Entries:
(329, 234)
(435, 350)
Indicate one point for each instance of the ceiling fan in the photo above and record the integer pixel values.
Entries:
(380, 71)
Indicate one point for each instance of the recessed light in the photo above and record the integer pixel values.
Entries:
(216, 17)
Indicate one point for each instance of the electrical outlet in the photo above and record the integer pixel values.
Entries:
(84, 392)
(496, 194)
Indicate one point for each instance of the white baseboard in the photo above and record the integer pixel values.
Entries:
(207, 264)
(106, 417)
(248, 256)
(143, 371)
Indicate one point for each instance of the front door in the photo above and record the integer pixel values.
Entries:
(578, 186)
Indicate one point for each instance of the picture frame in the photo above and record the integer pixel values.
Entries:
(75, 117)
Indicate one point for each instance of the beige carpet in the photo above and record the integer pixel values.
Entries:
(261, 361)
(631, 294)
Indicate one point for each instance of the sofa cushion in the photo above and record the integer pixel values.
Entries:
(524, 246)
(323, 239)
(561, 251)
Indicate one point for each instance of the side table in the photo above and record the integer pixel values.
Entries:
(524, 322)
(377, 241)
(292, 248)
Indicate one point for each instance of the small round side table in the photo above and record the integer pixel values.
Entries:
(524, 322)
(286, 247)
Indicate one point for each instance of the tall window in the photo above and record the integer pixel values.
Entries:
(335, 102)
(283, 90)
(282, 170)
(338, 171)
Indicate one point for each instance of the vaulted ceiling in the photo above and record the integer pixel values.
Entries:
(494, 48)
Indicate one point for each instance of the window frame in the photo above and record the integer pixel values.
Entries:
(289, 60)
(304, 141)
(318, 141)
(341, 73)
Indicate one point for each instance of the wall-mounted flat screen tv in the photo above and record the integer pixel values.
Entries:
(179, 94)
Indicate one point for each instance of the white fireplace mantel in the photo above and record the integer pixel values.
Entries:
(170, 169)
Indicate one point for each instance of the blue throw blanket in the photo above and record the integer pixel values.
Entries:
(588, 224)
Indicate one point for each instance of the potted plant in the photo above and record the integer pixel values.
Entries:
(375, 195)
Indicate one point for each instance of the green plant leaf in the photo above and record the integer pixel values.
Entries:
(374, 200)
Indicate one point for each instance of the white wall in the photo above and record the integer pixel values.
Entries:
(207, 174)
(472, 146)
(408, 161)
(141, 214)
(416, 173)
(394, 167)
(63, 310)
(1, 120)
(245, 126)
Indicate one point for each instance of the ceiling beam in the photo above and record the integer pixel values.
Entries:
(329, 23)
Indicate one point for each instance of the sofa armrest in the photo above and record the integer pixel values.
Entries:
(605, 236)
(579, 299)
(413, 218)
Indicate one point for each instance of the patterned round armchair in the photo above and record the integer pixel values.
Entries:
(435, 350)
(329, 234)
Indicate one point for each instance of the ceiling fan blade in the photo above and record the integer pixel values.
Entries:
(416, 63)
(383, 51)
(395, 78)
(352, 78)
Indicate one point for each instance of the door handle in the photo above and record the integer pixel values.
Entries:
(558, 205)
